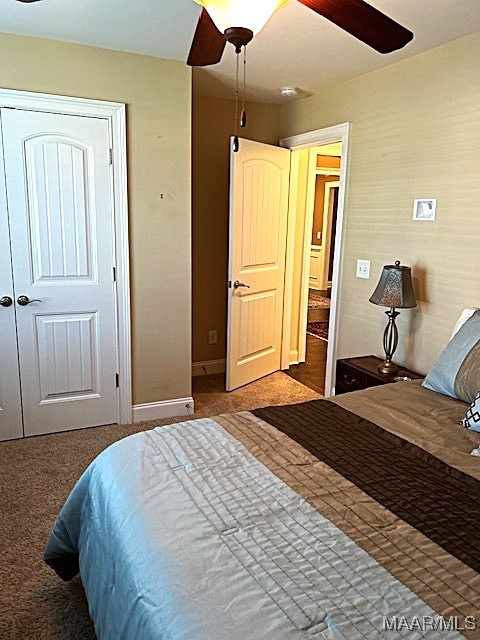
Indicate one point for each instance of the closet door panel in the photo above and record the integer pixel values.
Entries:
(59, 189)
(10, 403)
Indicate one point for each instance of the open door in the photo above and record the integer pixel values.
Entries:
(259, 183)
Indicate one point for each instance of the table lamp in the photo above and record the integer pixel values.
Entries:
(394, 290)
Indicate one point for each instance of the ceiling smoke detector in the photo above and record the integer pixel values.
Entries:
(289, 92)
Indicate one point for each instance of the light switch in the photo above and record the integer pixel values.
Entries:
(363, 269)
(213, 337)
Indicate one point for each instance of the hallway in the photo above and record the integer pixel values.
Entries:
(311, 373)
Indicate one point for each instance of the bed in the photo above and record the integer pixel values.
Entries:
(353, 517)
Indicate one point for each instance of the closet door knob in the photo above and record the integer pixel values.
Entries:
(6, 301)
(24, 300)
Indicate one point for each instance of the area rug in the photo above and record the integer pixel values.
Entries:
(318, 329)
(317, 301)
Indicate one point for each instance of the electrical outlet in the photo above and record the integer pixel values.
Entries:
(213, 337)
(363, 269)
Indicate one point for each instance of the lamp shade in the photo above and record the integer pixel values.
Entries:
(394, 288)
(250, 14)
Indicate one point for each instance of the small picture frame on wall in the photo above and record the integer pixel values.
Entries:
(424, 209)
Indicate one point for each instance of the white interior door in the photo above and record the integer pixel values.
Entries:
(259, 183)
(58, 185)
(10, 404)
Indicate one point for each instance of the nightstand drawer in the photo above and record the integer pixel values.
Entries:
(348, 379)
(361, 372)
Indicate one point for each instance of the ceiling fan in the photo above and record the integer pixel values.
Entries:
(237, 21)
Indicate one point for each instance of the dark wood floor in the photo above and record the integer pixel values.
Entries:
(311, 373)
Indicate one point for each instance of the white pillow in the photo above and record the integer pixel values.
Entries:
(464, 316)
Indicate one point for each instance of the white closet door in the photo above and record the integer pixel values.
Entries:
(10, 403)
(61, 220)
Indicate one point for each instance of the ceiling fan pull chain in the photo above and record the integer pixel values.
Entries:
(236, 142)
(243, 117)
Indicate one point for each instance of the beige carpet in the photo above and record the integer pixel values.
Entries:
(36, 475)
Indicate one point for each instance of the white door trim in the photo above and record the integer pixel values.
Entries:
(340, 132)
(307, 244)
(163, 409)
(327, 230)
(313, 172)
(286, 357)
(114, 112)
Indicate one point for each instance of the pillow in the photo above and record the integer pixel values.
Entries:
(472, 417)
(456, 373)
(464, 316)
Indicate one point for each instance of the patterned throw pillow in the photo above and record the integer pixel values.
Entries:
(472, 417)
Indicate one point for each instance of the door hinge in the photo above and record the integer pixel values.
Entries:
(229, 283)
(110, 156)
(117, 380)
(114, 270)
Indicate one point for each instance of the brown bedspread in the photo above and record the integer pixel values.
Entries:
(423, 526)
(441, 502)
(428, 419)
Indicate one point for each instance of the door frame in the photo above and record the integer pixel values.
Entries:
(327, 224)
(336, 133)
(324, 247)
(313, 172)
(115, 113)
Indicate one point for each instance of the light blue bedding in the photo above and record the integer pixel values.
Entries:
(183, 535)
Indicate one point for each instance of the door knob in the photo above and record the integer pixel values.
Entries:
(238, 284)
(6, 301)
(24, 300)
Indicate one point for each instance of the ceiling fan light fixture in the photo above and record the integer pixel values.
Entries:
(249, 14)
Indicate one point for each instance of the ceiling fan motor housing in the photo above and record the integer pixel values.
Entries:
(238, 36)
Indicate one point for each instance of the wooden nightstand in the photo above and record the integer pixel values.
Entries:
(361, 372)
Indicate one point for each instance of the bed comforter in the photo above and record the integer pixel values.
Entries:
(264, 525)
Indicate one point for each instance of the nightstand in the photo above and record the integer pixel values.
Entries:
(361, 372)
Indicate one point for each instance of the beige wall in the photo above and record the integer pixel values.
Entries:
(212, 126)
(415, 133)
(157, 94)
(328, 162)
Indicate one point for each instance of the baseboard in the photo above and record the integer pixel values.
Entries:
(293, 356)
(162, 409)
(208, 367)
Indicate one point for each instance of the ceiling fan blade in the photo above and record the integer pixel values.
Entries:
(364, 22)
(208, 43)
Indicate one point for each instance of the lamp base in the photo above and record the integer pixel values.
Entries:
(387, 366)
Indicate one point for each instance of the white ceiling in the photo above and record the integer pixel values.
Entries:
(297, 47)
